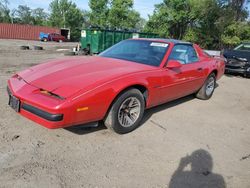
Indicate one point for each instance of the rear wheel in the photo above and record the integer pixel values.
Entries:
(126, 112)
(247, 74)
(207, 89)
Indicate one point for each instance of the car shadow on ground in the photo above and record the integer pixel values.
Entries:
(148, 113)
(86, 128)
(195, 171)
(89, 128)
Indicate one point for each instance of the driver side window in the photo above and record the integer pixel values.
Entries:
(185, 54)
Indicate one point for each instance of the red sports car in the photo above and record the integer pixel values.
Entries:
(116, 86)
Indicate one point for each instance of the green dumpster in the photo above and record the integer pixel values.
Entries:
(98, 40)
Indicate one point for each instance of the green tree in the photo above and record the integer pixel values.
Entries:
(235, 34)
(64, 13)
(99, 12)
(86, 19)
(23, 15)
(4, 11)
(122, 15)
(211, 23)
(238, 8)
(140, 24)
(39, 16)
(170, 18)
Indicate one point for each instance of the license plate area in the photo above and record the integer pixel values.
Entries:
(14, 103)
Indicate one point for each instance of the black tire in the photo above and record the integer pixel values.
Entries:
(45, 40)
(247, 75)
(81, 53)
(38, 48)
(24, 47)
(69, 53)
(112, 122)
(202, 94)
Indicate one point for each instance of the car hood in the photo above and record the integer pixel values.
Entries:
(237, 54)
(66, 77)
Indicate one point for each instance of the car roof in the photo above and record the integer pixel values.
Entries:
(165, 40)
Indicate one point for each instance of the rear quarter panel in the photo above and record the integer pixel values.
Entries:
(211, 63)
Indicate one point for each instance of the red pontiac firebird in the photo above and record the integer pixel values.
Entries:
(116, 86)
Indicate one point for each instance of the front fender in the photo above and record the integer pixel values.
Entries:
(98, 100)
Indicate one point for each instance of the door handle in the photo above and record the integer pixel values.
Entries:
(200, 69)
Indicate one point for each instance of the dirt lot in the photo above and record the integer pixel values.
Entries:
(212, 137)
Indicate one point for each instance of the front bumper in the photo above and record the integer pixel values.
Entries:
(44, 110)
(41, 113)
(238, 70)
(52, 112)
(237, 66)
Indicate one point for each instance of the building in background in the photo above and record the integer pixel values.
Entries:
(28, 32)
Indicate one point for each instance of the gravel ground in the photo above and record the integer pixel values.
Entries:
(199, 143)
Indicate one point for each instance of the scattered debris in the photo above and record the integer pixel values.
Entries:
(206, 173)
(69, 53)
(38, 48)
(10, 72)
(62, 49)
(40, 143)
(208, 147)
(24, 47)
(15, 137)
(245, 157)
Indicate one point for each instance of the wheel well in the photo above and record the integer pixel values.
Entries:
(215, 72)
(141, 88)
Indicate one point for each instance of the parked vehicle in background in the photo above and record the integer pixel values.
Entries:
(238, 59)
(56, 37)
(116, 86)
(51, 37)
(44, 36)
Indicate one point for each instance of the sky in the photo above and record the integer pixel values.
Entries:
(145, 7)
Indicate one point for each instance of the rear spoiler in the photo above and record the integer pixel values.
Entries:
(216, 54)
(213, 53)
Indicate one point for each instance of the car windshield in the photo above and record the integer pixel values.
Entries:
(138, 51)
(244, 47)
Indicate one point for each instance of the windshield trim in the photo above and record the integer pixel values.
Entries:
(242, 45)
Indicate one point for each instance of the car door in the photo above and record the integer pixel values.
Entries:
(57, 37)
(185, 80)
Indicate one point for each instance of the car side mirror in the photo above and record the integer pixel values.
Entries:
(173, 64)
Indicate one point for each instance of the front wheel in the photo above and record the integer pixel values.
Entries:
(126, 112)
(207, 89)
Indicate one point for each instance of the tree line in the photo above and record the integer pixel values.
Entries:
(214, 24)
